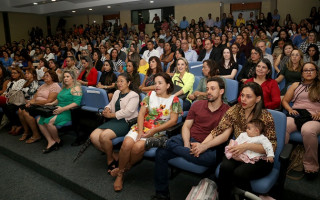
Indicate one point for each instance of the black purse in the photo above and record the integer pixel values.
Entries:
(303, 117)
(43, 111)
(177, 88)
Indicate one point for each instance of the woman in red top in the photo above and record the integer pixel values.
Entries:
(89, 74)
(270, 88)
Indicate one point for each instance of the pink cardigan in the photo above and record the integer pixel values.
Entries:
(128, 105)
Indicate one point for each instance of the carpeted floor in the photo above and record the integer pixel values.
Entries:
(55, 176)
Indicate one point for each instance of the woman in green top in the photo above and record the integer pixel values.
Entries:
(69, 97)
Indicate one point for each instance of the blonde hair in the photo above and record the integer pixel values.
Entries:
(185, 62)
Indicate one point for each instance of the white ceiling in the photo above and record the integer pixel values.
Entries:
(64, 7)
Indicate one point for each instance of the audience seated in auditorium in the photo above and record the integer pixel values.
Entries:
(107, 79)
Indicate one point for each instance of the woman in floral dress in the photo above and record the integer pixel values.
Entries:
(159, 111)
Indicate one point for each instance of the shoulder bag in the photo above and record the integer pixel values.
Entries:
(177, 88)
(15, 97)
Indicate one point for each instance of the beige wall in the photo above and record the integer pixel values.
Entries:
(2, 36)
(266, 7)
(226, 8)
(299, 9)
(21, 23)
(125, 17)
(194, 11)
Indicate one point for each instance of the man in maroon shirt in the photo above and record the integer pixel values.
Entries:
(203, 116)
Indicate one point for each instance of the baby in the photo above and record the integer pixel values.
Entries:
(253, 135)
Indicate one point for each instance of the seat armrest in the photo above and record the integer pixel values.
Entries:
(286, 152)
(174, 130)
(232, 103)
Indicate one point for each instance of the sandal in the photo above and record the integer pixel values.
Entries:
(112, 166)
(24, 136)
(32, 140)
(118, 183)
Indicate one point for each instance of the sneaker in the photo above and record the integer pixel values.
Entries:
(155, 142)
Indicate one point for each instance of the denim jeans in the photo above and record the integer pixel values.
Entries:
(175, 148)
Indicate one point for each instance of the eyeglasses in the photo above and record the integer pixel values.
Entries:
(307, 71)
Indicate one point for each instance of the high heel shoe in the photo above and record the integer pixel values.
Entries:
(54, 147)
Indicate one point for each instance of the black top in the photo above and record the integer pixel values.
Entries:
(247, 71)
(223, 71)
(98, 66)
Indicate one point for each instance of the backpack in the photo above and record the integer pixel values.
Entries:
(205, 190)
(296, 162)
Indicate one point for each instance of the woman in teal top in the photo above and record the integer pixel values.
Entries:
(184, 79)
(69, 97)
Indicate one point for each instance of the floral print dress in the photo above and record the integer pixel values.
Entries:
(158, 111)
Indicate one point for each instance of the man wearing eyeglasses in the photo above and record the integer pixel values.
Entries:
(189, 54)
(207, 52)
(150, 52)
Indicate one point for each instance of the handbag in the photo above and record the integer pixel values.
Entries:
(15, 97)
(43, 111)
(303, 117)
(177, 88)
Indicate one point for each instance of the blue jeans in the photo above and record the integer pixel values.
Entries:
(175, 148)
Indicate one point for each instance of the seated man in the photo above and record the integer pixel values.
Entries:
(195, 129)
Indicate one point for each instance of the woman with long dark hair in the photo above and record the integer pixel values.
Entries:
(312, 55)
(159, 111)
(233, 172)
(122, 108)
(228, 68)
(108, 79)
(154, 68)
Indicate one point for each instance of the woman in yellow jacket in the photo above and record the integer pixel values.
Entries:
(185, 80)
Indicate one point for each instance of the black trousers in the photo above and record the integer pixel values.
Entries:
(236, 173)
(10, 110)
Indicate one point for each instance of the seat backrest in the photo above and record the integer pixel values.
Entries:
(239, 70)
(196, 68)
(98, 78)
(95, 98)
(280, 123)
(141, 78)
(274, 74)
(116, 73)
(196, 82)
(84, 93)
(282, 84)
(232, 88)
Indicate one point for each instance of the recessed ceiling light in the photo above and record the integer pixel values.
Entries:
(151, 1)
(35, 3)
(108, 6)
(90, 9)
(73, 11)
(53, 0)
